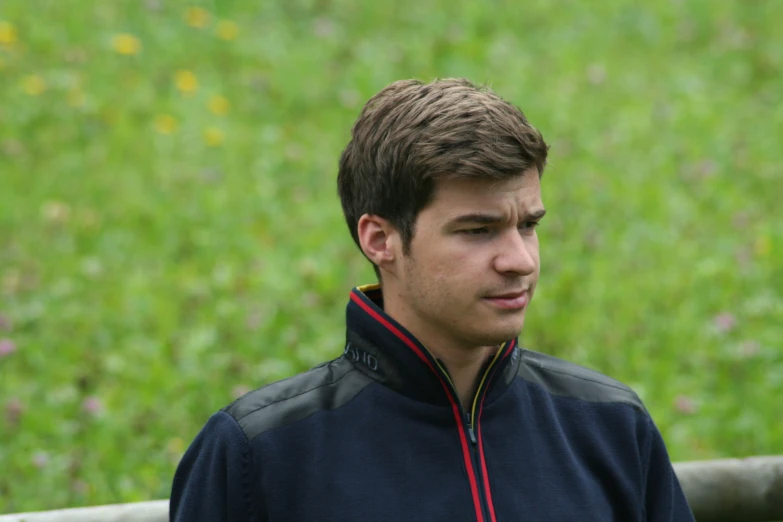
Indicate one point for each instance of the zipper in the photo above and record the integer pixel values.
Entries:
(465, 421)
(469, 426)
(474, 455)
(469, 422)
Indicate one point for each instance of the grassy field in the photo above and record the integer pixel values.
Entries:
(170, 234)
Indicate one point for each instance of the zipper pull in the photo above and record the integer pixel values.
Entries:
(471, 433)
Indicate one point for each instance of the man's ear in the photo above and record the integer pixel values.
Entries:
(379, 240)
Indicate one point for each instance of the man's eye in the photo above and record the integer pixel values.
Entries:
(475, 231)
(528, 225)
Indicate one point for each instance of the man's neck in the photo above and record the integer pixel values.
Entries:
(462, 361)
(464, 367)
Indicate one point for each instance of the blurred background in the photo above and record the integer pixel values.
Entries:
(171, 237)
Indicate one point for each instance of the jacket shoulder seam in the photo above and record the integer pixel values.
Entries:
(535, 366)
(298, 394)
(607, 384)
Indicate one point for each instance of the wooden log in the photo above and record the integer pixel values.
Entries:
(153, 511)
(734, 490)
(730, 490)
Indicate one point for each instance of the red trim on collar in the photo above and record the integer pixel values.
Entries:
(484, 472)
(454, 405)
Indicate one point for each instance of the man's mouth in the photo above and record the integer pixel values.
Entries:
(510, 300)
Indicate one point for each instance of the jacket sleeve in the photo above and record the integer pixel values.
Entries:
(213, 481)
(664, 498)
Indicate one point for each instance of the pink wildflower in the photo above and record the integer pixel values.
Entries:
(92, 405)
(13, 411)
(40, 459)
(749, 349)
(725, 322)
(7, 347)
(685, 404)
(240, 390)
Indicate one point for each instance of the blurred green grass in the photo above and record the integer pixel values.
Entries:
(170, 233)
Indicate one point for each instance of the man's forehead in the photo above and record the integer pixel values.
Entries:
(519, 191)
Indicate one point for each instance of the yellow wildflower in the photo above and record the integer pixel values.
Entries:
(126, 44)
(33, 85)
(763, 246)
(7, 34)
(75, 98)
(56, 212)
(213, 136)
(89, 218)
(197, 17)
(165, 124)
(186, 81)
(175, 445)
(227, 30)
(219, 105)
(109, 114)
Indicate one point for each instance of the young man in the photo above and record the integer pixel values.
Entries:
(434, 412)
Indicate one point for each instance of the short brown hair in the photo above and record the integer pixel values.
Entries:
(411, 134)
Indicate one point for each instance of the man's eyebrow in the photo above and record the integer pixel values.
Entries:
(491, 219)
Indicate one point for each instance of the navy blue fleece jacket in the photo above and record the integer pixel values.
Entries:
(379, 434)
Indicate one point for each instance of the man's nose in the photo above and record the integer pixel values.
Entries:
(517, 255)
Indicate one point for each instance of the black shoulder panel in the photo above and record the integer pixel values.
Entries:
(325, 387)
(563, 378)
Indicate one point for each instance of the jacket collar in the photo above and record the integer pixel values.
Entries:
(384, 350)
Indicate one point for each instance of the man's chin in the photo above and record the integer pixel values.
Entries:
(502, 334)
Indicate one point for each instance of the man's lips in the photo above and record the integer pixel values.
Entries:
(510, 301)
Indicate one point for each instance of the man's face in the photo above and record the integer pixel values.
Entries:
(473, 263)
